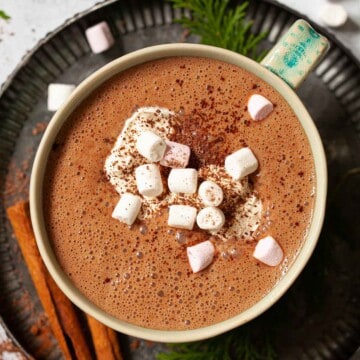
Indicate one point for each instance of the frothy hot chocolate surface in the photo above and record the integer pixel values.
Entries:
(141, 273)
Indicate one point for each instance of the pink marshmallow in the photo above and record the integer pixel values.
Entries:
(176, 155)
(268, 251)
(259, 107)
(201, 255)
(99, 37)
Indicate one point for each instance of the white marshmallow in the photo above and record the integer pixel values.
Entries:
(241, 163)
(259, 107)
(210, 218)
(99, 37)
(176, 155)
(333, 15)
(201, 255)
(268, 251)
(183, 181)
(182, 216)
(151, 146)
(58, 94)
(127, 209)
(210, 193)
(148, 180)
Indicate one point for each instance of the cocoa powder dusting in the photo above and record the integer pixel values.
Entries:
(43, 342)
(18, 178)
(39, 128)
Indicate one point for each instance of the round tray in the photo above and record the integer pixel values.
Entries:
(319, 317)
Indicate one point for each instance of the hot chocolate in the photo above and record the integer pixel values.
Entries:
(140, 273)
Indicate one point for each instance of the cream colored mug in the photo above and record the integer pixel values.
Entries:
(291, 59)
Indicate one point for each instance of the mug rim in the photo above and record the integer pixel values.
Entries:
(90, 84)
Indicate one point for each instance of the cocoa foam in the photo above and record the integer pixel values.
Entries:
(141, 274)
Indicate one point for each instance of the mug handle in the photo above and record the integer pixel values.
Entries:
(296, 54)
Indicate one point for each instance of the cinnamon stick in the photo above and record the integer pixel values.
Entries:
(69, 321)
(60, 311)
(105, 340)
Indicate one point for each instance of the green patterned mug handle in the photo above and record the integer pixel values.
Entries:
(296, 54)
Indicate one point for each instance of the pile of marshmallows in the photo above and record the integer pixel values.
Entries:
(185, 180)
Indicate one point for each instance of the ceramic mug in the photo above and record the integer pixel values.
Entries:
(291, 60)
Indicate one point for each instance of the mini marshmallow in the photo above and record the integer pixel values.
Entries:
(210, 218)
(259, 107)
(201, 255)
(176, 155)
(151, 146)
(183, 181)
(148, 180)
(268, 251)
(333, 15)
(58, 94)
(182, 216)
(210, 193)
(127, 209)
(99, 37)
(241, 163)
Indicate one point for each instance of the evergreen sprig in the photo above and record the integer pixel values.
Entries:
(220, 25)
(4, 15)
(236, 344)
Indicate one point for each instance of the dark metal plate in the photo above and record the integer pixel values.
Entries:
(319, 317)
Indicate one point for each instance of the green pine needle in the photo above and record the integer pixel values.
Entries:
(4, 15)
(219, 25)
(236, 344)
